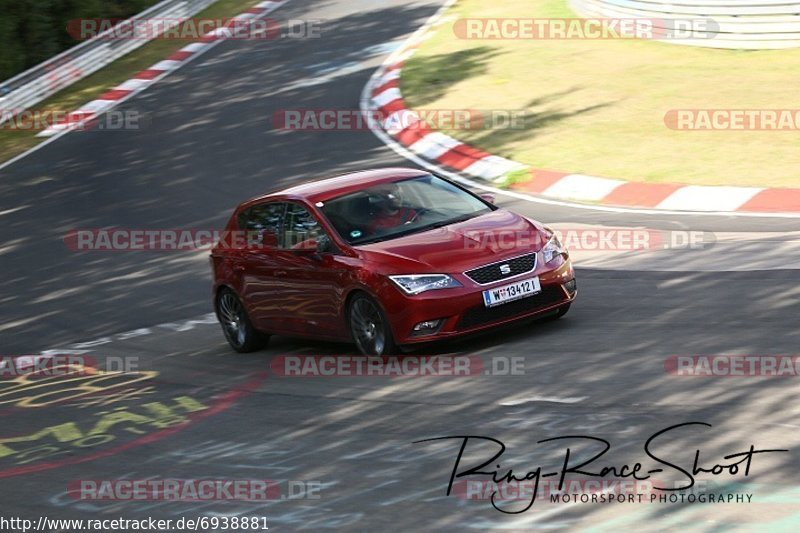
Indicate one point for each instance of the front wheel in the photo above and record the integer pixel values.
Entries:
(563, 310)
(369, 327)
(236, 325)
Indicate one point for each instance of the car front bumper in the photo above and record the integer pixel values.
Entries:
(462, 310)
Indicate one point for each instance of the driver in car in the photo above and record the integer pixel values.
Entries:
(390, 211)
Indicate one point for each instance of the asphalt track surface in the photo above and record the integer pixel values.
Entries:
(194, 409)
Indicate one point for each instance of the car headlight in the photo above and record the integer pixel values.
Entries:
(553, 249)
(417, 283)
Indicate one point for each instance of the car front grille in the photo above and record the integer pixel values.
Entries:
(502, 269)
(480, 315)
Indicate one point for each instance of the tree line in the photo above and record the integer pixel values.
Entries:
(32, 31)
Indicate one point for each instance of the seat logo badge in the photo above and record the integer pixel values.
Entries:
(505, 269)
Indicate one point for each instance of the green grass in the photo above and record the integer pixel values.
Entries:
(597, 107)
(14, 142)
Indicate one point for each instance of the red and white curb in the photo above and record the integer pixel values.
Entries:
(149, 76)
(407, 134)
(408, 129)
(661, 196)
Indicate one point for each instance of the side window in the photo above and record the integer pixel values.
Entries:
(262, 223)
(302, 230)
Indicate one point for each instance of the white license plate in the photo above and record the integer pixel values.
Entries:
(511, 292)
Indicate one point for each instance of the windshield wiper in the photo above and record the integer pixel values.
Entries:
(418, 229)
(455, 220)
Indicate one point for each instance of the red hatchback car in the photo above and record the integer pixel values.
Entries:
(383, 258)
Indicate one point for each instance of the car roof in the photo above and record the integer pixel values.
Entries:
(325, 189)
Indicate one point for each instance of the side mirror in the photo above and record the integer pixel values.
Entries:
(306, 246)
(489, 197)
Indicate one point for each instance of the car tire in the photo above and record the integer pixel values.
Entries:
(563, 310)
(236, 326)
(369, 327)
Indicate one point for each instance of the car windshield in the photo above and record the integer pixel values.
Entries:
(390, 210)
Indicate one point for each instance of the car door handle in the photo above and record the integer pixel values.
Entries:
(280, 272)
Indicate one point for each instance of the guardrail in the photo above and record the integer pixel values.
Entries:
(746, 25)
(47, 78)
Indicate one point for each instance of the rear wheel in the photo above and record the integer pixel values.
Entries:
(369, 327)
(236, 325)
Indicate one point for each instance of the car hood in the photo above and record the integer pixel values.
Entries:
(490, 237)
